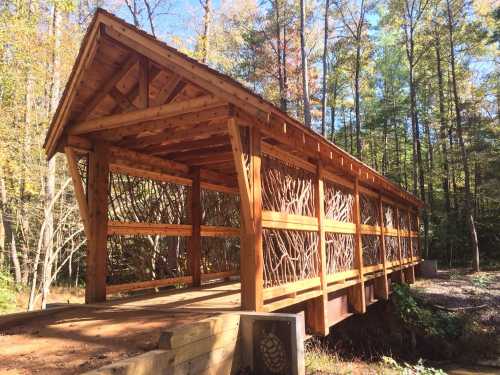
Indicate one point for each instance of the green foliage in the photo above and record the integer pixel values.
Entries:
(408, 369)
(482, 281)
(425, 320)
(7, 293)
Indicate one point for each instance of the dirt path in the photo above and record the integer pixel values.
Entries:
(458, 291)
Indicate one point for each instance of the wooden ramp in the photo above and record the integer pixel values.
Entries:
(179, 331)
(78, 338)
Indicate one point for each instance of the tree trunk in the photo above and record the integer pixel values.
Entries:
(333, 110)
(443, 142)
(205, 38)
(325, 66)
(305, 72)
(356, 99)
(463, 151)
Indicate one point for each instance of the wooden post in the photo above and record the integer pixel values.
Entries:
(418, 236)
(357, 292)
(97, 187)
(195, 240)
(256, 188)
(382, 286)
(251, 251)
(317, 315)
(410, 273)
(400, 273)
(143, 97)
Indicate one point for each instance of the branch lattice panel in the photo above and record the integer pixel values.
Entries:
(83, 170)
(405, 247)
(413, 222)
(289, 255)
(339, 252)
(137, 199)
(286, 188)
(371, 250)
(245, 144)
(415, 247)
(369, 210)
(144, 258)
(339, 202)
(403, 221)
(389, 216)
(220, 209)
(220, 254)
(391, 248)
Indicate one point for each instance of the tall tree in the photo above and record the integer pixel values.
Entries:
(325, 74)
(354, 22)
(305, 70)
(451, 24)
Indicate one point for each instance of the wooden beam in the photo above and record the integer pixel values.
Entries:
(107, 86)
(357, 292)
(382, 286)
(118, 153)
(317, 308)
(177, 134)
(80, 195)
(121, 100)
(251, 256)
(166, 129)
(256, 188)
(132, 228)
(195, 212)
(400, 273)
(411, 271)
(120, 288)
(143, 97)
(143, 115)
(243, 181)
(287, 157)
(97, 187)
(190, 145)
(217, 158)
(169, 90)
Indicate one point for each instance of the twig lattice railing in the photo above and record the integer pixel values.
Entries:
(149, 232)
(291, 230)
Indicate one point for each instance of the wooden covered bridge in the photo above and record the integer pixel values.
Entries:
(184, 177)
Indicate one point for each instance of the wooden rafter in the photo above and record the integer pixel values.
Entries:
(144, 115)
(169, 90)
(107, 86)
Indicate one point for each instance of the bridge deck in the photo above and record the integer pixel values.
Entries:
(85, 337)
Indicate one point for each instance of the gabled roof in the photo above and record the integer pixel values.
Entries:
(96, 65)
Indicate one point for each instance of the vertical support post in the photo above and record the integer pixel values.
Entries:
(317, 314)
(410, 274)
(195, 240)
(357, 292)
(382, 286)
(251, 252)
(400, 253)
(143, 97)
(98, 183)
(256, 203)
(418, 236)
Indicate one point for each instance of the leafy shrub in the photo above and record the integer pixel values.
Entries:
(7, 294)
(408, 369)
(429, 321)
